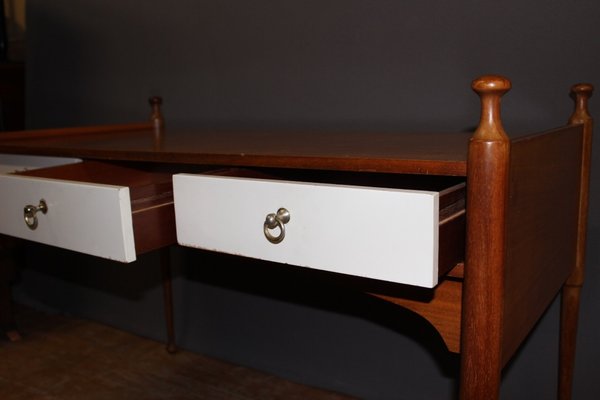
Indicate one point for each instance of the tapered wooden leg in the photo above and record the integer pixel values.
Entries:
(483, 285)
(480, 383)
(481, 356)
(569, 315)
(7, 272)
(569, 306)
(165, 265)
(7, 323)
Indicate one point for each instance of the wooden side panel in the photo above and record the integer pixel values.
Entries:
(541, 226)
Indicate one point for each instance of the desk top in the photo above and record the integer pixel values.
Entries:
(411, 153)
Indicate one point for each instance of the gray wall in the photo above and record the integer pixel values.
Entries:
(348, 64)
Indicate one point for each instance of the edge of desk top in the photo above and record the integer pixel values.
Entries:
(390, 152)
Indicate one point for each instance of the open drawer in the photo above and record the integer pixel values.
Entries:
(10, 163)
(98, 208)
(404, 232)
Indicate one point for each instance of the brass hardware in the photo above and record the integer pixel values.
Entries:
(276, 220)
(29, 213)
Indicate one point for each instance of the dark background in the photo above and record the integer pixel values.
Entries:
(340, 64)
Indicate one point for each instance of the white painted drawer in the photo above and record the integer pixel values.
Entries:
(17, 162)
(87, 213)
(380, 233)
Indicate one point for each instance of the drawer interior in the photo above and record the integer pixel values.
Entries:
(145, 183)
(451, 189)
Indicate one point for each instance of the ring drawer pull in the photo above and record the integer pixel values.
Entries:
(276, 220)
(29, 213)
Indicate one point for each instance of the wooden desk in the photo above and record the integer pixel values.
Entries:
(523, 240)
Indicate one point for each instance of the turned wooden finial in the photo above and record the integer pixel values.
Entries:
(490, 89)
(581, 93)
(156, 115)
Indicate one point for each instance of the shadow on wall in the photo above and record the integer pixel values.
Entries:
(255, 307)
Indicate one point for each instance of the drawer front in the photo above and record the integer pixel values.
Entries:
(89, 218)
(386, 234)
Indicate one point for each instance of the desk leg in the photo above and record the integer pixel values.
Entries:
(165, 265)
(569, 306)
(485, 255)
(481, 355)
(7, 323)
(569, 315)
(7, 272)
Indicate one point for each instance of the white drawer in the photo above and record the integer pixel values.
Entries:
(380, 233)
(17, 162)
(94, 208)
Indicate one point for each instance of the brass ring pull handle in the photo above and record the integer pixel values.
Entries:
(276, 220)
(29, 213)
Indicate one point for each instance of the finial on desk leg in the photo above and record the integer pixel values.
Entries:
(490, 89)
(581, 94)
(156, 115)
(158, 121)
